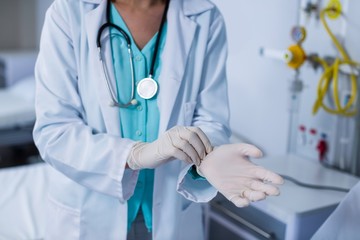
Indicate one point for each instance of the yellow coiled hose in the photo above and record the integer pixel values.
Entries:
(332, 73)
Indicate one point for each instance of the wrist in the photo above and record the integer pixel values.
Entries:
(204, 162)
(134, 158)
(199, 171)
(194, 174)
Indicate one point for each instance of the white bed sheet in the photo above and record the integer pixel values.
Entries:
(17, 104)
(22, 202)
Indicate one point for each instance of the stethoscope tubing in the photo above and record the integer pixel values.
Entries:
(114, 102)
(112, 25)
(108, 24)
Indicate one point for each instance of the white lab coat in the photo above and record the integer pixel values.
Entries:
(78, 133)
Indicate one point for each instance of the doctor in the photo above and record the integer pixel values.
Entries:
(131, 96)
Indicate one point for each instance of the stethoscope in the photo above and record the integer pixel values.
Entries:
(147, 87)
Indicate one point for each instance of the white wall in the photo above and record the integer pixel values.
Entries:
(258, 87)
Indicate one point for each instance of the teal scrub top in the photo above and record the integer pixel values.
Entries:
(140, 122)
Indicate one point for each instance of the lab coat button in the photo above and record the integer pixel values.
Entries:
(139, 108)
(138, 132)
(138, 58)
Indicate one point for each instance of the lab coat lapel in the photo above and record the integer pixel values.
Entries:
(180, 36)
(93, 21)
(181, 31)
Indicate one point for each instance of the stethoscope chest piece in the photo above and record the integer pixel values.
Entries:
(147, 88)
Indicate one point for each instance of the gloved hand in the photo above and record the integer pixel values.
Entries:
(230, 171)
(189, 144)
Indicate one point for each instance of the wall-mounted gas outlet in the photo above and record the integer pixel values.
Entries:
(335, 7)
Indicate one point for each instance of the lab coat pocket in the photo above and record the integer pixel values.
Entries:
(189, 109)
(62, 222)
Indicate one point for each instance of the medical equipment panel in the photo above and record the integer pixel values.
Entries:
(329, 134)
(323, 93)
(15, 65)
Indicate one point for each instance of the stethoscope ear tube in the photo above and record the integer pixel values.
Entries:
(111, 25)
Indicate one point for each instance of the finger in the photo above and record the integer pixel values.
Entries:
(193, 139)
(204, 139)
(268, 189)
(268, 176)
(187, 148)
(254, 196)
(250, 150)
(239, 201)
(179, 154)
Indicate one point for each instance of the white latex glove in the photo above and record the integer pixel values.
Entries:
(230, 171)
(189, 144)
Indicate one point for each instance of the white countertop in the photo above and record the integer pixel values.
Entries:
(296, 200)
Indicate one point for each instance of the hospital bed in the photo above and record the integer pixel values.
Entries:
(17, 112)
(22, 201)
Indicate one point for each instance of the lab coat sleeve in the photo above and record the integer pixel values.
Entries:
(212, 109)
(93, 159)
